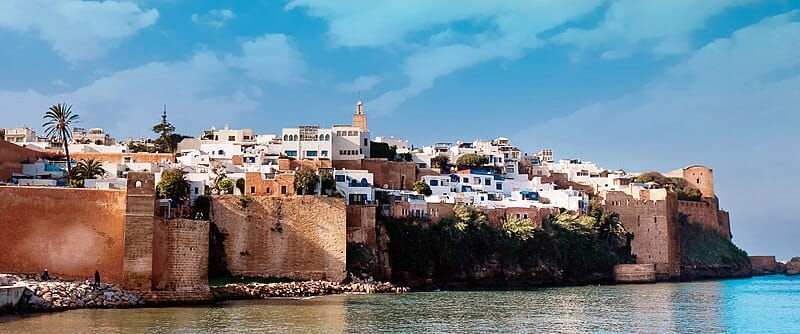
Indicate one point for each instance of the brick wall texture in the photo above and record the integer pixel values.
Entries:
(301, 237)
(655, 229)
(180, 255)
(707, 214)
(361, 224)
(71, 232)
(139, 215)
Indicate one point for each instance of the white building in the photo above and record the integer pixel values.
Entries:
(401, 145)
(355, 186)
(20, 135)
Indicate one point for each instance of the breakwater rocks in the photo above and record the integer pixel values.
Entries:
(58, 295)
(301, 289)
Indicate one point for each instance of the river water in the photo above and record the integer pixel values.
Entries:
(758, 305)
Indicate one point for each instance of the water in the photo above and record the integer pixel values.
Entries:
(758, 305)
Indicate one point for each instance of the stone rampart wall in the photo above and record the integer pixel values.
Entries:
(71, 232)
(361, 224)
(707, 214)
(11, 156)
(301, 237)
(180, 255)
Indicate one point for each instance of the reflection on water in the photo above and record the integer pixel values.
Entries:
(767, 304)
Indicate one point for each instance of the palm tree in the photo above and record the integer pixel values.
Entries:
(58, 120)
(87, 169)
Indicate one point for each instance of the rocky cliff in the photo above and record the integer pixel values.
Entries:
(708, 254)
(793, 266)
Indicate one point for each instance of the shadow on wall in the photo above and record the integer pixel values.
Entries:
(300, 237)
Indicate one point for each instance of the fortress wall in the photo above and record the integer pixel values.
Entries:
(301, 237)
(71, 232)
(180, 255)
(707, 214)
(654, 225)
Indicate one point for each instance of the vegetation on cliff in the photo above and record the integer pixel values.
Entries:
(678, 185)
(703, 248)
(466, 249)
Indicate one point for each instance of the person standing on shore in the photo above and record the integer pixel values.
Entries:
(45, 275)
(96, 278)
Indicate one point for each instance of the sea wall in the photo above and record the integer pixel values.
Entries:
(300, 237)
(635, 273)
(71, 232)
(180, 255)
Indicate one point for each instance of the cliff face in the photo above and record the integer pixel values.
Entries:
(454, 254)
(706, 254)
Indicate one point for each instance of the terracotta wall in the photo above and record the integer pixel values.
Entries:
(71, 232)
(301, 237)
(180, 255)
(11, 156)
(120, 157)
(655, 229)
(254, 184)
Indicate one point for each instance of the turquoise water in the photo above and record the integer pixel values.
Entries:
(759, 305)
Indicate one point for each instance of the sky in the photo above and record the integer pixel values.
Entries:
(630, 84)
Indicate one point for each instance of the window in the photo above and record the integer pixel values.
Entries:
(487, 182)
(525, 216)
(518, 216)
(138, 184)
(291, 153)
(339, 178)
(366, 142)
(231, 138)
(434, 183)
(269, 190)
(327, 137)
(499, 186)
(324, 153)
(253, 190)
(465, 180)
(220, 152)
(311, 153)
(283, 190)
(285, 137)
(196, 190)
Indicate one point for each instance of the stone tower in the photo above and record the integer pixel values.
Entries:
(360, 118)
(139, 213)
(701, 178)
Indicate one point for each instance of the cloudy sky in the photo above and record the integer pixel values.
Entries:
(638, 85)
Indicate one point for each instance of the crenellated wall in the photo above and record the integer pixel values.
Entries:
(300, 237)
(706, 213)
(655, 229)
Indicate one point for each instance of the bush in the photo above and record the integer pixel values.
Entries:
(519, 228)
(244, 201)
(327, 181)
(471, 160)
(305, 181)
(422, 188)
(240, 185)
(440, 161)
(689, 194)
(225, 186)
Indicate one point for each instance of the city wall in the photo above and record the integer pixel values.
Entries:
(707, 214)
(361, 224)
(180, 255)
(301, 237)
(71, 232)
(281, 185)
(655, 229)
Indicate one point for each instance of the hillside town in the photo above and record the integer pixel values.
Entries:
(295, 204)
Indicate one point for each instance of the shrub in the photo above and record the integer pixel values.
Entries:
(240, 185)
(173, 185)
(519, 228)
(225, 186)
(471, 160)
(440, 161)
(305, 181)
(422, 188)
(244, 201)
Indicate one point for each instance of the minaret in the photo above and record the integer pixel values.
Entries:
(360, 118)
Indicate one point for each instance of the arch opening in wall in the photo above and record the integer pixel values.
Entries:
(138, 184)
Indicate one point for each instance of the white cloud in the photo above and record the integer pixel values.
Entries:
(206, 88)
(360, 84)
(270, 57)
(215, 17)
(503, 30)
(77, 30)
(659, 27)
(730, 105)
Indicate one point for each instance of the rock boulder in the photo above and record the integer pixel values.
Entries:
(793, 266)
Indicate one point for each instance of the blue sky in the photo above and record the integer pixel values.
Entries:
(639, 85)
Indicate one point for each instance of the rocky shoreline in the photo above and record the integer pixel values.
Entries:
(60, 295)
(302, 289)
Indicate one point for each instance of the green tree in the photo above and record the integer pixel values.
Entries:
(225, 186)
(519, 228)
(422, 188)
(165, 131)
(173, 185)
(88, 169)
(471, 160)
(58, 120)
(689, 194)
(327, 181)
(440, 161)
(240, 185)
(305, 181)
